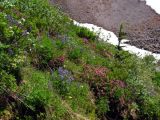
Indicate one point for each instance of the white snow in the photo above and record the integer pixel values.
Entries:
(111, 38)
(154, 4)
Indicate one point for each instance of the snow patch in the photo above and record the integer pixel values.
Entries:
(111, 38)
(154, 4)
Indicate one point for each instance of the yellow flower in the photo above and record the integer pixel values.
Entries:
(70, 97)
(82, 86)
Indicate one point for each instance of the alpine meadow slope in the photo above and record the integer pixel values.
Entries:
(51, 69)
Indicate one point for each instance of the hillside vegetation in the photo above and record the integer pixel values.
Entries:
(51, 69)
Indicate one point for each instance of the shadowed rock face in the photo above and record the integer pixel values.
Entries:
(141, 22)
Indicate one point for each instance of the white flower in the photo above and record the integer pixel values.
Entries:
(70, 97)
(19, 22)
(27, 33)
(82, 86)
(23, 20)
(10, 27)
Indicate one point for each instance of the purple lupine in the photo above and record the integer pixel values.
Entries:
(65, 75)
(10, 51)
(85, 40)
(12, 20)
(63, 38)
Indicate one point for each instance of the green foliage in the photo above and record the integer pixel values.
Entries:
(150, 108)
(85, 33)
(44, 16)
(59, 85)
(60, 45)
(73, 67)
(7, 82)
(121, 36)
(75, 53)
(39, 95)
(79, 98)
(35, 81)
(102, 106)
(44, 50)
(157, 78)
(76, 94)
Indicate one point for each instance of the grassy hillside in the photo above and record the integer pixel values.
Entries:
(51, 69)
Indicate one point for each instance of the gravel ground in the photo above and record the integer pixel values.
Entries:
(142, 24)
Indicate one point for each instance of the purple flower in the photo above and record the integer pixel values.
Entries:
(12, 20)
(63, 38)
(65, 75)
(10, 51)
(85, 40)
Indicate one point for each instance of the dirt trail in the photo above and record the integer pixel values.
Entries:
(141, 22)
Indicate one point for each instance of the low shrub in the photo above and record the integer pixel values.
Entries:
(102, 106)
(75, 53)
(157, 78)
(33, 82)
(79, 98)
(7, 82)
(43, 51)
(40, 101)
(57, 62)
(85, 33)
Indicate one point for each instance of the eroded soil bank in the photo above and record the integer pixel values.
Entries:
(142, 24)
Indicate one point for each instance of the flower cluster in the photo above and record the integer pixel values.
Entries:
(61, 59)
(100, 71)
(56, 63)
(114, 91)
(12, 20)
(85, 40)
(65, 74)
(118, 83)
(95, 71)
(64, 38)
(10, 51)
